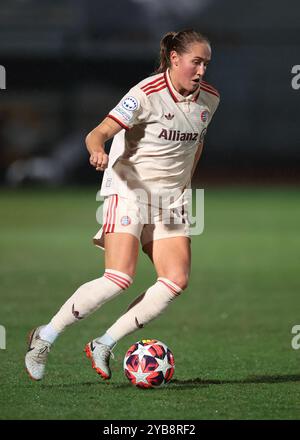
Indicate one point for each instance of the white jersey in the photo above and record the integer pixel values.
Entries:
(162, 130)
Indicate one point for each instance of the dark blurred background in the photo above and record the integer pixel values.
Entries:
(68, 63)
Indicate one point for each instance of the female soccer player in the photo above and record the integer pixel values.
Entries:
(158, 129)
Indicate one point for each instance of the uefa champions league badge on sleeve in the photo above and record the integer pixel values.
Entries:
(130, 103)
(127, 107)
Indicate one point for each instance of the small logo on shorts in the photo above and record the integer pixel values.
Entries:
(204, 115)
(125, 220)
(108, 182)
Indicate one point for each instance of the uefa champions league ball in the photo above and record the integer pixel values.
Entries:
(149, 363)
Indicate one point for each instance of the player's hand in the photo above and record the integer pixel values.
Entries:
(99, 160)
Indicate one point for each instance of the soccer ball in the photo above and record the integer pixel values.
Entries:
(149, 363)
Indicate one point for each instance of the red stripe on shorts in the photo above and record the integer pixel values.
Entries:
(107, 220)
(106, 217)
(111, 214)
(114, 213)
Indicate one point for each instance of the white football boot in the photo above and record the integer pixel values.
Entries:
(100, 355)
(37, 354)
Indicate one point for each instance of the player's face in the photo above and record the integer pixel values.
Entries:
(189, 68)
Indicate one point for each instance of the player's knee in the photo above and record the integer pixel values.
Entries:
(183, 281)
(180, 279)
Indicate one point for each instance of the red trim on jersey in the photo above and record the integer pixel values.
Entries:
(169, 87)
(156, 90)
(205, 84)
(119, 122)
(209, 91)
(173, 290)
(153, 86)
(152, 82)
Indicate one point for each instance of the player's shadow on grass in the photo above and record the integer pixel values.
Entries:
(197, 382)
(249, 380)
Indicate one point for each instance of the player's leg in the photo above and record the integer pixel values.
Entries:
(120, 261)
(87, 298)
(121, 253)
(168, 247)
(171, 258)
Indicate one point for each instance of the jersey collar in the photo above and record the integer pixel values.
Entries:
(177, 96)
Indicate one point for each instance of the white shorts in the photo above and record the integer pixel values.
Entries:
(143, 221)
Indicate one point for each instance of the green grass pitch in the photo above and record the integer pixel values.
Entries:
(230, 331)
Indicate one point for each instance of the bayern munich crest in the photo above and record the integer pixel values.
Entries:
(204, 115)
(125, 220)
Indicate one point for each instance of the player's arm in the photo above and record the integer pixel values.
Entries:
(197, 157)
(96, 139)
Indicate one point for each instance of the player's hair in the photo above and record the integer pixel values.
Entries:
(178, 41)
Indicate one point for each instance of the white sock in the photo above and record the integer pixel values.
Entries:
(48, 333)
(89, 297)
(144, 308)
(107, 340)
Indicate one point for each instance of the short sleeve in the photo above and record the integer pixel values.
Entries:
(214, 107)
(131, 110)
(207, 115)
